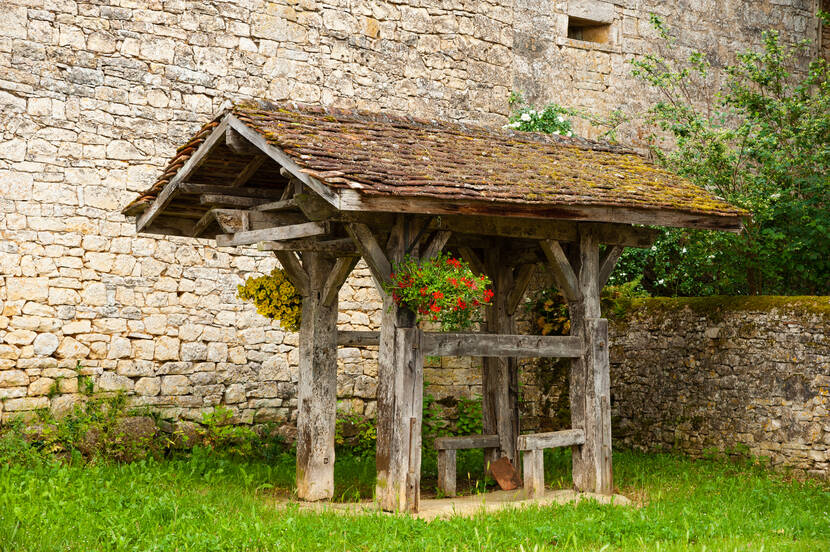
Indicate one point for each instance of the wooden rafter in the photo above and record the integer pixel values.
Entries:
(342, 268)
(607, 263)
(169, 190)
(523, 277)
(248, 171)
(371, 251)
(338, 248)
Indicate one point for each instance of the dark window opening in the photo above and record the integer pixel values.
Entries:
(589, 31)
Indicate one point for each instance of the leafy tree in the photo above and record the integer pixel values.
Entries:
(761, 140)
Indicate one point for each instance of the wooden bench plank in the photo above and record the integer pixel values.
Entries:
(467, 442)
(552, 439)
(493, 345)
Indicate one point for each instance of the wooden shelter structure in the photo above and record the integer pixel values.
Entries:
(323, 188)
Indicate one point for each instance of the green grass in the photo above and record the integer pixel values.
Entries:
(207, 502)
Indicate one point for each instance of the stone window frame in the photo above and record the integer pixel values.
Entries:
(597, 13)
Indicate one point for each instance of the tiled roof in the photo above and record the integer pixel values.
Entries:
(378, 154)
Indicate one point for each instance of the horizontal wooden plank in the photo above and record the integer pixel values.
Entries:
(352, 200)
(337, 248)
(552, 439)
(276, 233)
(492, 345)
(467, 442)
(358, 339)
(199, 189)
(282, 205)
(230, 200)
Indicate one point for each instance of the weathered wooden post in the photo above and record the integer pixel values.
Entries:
(400, 380)
(500, 398)
(319, 279)
(590, 380)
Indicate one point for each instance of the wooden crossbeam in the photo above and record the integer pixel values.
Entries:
(472, 259)
(200, 189)
(338, 248)
(551, 439)
(493, 345)
(563, 273)
(229, 220)
(294, 271)
(358, 339)
(237, 144)
(463, 442)
(314, 207)
(342, 268)
(276, 233)
(607, 263)
(230, 200)
(196, 160)
(281, 205)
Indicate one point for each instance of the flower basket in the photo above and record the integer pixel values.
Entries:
(442, 289)
(274, 297)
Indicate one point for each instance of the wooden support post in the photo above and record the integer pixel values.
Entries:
(400, 389)
(534, 473)
(589, 383)
(317, 388)
(447, 471)
(500, 381)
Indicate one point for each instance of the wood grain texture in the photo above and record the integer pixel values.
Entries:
(534, 473)
(560, 267)
(463, 442)
(501, 345)
(447, 471)
(358, 339)
(295, 272)
(276, 233)
(317, 387)
(339, 272)
(551, 439)
(607, 263)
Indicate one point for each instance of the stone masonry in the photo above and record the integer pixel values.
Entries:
(96, 95)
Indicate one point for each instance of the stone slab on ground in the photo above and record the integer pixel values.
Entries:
(472, 505)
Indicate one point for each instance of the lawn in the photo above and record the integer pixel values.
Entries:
(211, 502)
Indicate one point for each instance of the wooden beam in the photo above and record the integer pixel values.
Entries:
(190, 166)
(336, 248)
(371, 251)
(563, 273)
(341, 270)
(551, 439)
(294, 271)
(282, 205)
(200, 189)
(494, 345)
(276, 233)
(352, 200)
(230, 200)
(465, 442)
(436, 244)
(316, 388)
(228, 220)
(607, 263)
(246, 173)
(284, 160)
(520, 283)
(358, 339)
(447, 468)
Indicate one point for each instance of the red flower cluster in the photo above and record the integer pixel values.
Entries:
(443, 289)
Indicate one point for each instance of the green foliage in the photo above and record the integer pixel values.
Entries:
(212, 502)
(468, 412)
(356, 435)
(551, 119)
(761, 140)
(219, 434)
(442, 289)
(275, 297)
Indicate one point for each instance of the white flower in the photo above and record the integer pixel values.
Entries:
(683, 250)
(556, 132)
(654, 248)
(570, 134)
(561, 119)
(525, 116)
(661, 281)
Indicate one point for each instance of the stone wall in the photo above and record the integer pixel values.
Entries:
(750, 375)
(95, 96)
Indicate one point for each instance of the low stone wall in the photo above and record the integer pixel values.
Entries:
(745, 374)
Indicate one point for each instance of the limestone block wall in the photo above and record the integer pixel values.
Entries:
(95, 96)
(752, 375)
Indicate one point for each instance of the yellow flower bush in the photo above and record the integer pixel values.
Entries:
(274, 297)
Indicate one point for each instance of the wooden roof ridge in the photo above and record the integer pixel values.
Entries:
(360, 160)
